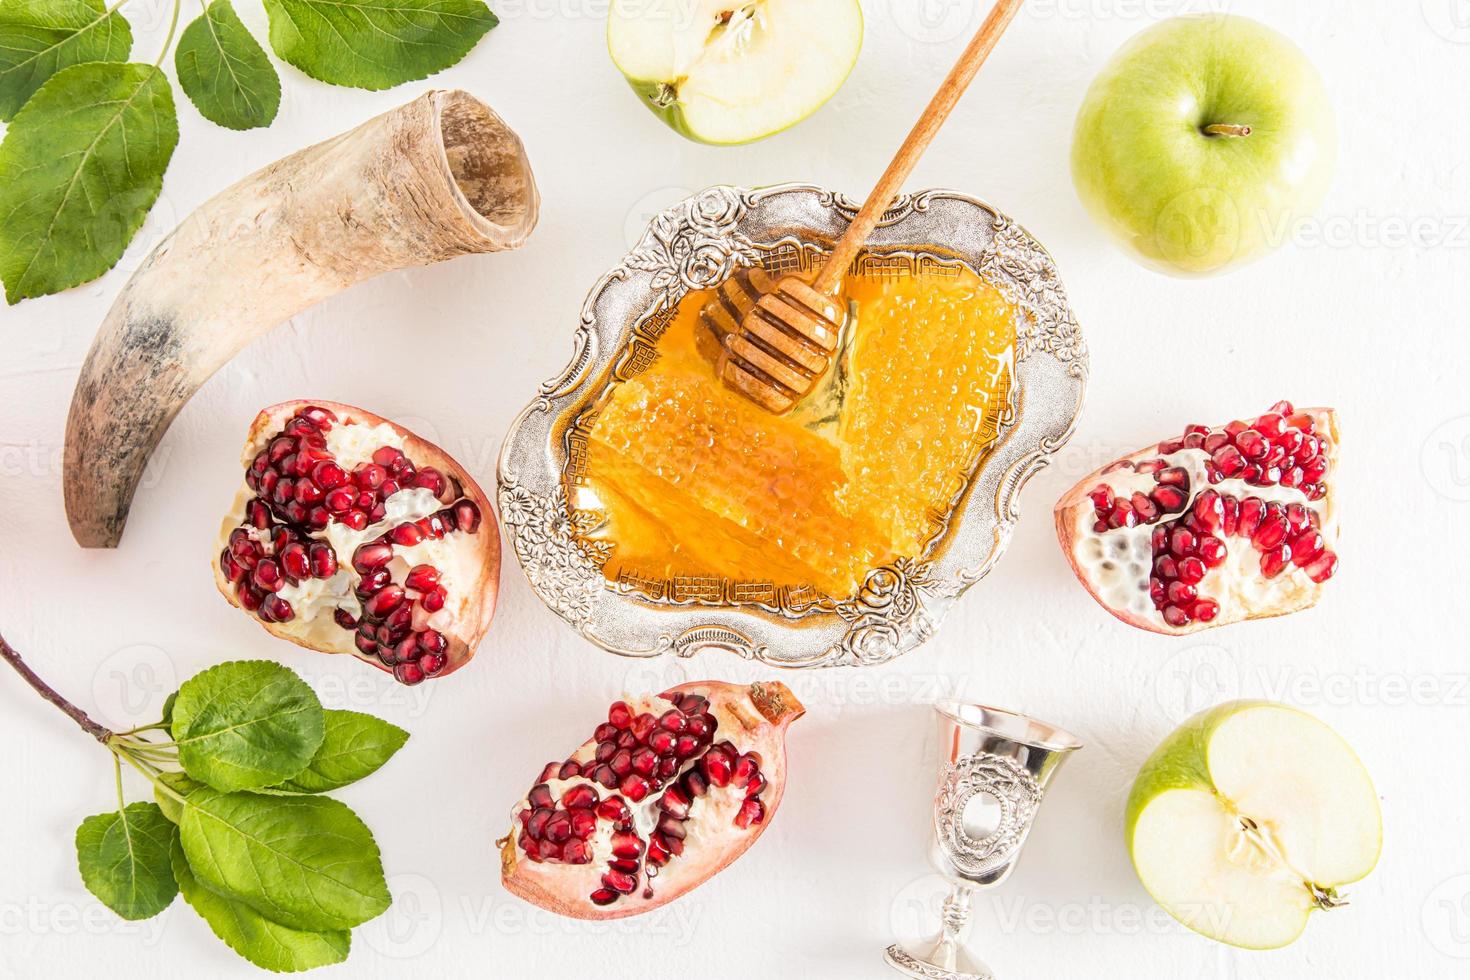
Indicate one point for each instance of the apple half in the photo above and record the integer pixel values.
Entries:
(1248, 818)
(719, 71)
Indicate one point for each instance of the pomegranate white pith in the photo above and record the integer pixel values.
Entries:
(1217, 526)
(667, 792)
(352, 535)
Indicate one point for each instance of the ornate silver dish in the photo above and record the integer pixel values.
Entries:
(696, 245)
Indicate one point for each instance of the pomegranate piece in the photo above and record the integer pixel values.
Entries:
(353, 535)
(1216, 526)
(591, 845)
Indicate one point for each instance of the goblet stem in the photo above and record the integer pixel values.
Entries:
(955, 924)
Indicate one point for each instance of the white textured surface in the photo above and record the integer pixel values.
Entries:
(1372, 319)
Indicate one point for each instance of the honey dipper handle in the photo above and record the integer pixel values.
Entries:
(918, 141)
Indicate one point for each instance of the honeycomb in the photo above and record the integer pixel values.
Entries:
(691, 480)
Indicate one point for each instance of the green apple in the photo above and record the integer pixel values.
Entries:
(719, 72)
(1203, 141)
(1247, 818)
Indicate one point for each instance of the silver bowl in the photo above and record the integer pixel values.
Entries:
(696, 245)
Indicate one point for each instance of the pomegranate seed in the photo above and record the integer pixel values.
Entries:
(576, 852)
(559, 827)
(1102, 498)
(673, 721)
(643, 726)
(1166, 567)
(322, 560)
(384, 601)
(371, 556)
(1306, 547)
(1157, 593)
(695, 784)
(387, 456)
(756, 784)
(1181, 542)
(700, 725)
(344, 619)
(294, 561)
(1252, 444)
(613, 809)
(1176, 476)
(1275, 560)
(276, 609)
(307, 492)
(1175, 616)
(671, 827)
(626, 844)
(1169, 498)
(1251, 509)
(644, 762)
(1181, 594)
(1314, 470)
(605, 775)
(1193, 440)
(250, 599)
(620, 716)
(407, 648)
(1323, 567)
(366, 643)
(406, 535)
(621, 762)
(1146, 509)
(1229, 461)
(467, 516)
(421, 578)
(635, 787)
(432, 480)
(603, 896)
(355, 519)
(748, 765)
(258, 515)
(1214, 442)
(367, 476)
(717, 768)
(619, 882)
(1211, 551)
(685, 746)
(751, 812)
(433, 641)
(1205, 610)
(1191, 570)
(268, 575)
(1270, 533)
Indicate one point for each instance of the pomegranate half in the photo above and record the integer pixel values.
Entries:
(1217, 526)
(666, 793)
(352, 535)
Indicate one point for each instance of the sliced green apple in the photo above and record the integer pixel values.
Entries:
(1248, 818)
(720, 71)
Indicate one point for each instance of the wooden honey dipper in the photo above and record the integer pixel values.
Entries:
(772, 340)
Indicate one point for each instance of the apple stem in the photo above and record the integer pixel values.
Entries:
(1226, 129)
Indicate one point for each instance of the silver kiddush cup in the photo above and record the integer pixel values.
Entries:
(996, 769)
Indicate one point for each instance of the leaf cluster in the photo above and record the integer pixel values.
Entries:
(240, 763)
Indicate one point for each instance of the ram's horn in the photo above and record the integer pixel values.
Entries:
(439, 177)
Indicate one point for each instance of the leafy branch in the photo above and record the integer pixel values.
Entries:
(91, 133)
(238, 763)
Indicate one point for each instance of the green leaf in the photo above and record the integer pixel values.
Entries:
(168, 709)
(124, 860)
(180, 784)
(356, 745)
(81, 164)
(375, 44)
(224, 72)
(246, 724)
(307, 862)
(38, 38)
(267, 944)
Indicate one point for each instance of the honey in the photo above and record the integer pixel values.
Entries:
(704, 496)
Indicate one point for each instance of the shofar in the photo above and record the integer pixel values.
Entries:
(439, 177)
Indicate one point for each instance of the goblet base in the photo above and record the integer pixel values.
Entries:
(945, 960)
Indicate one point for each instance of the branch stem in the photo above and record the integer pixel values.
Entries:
(10, 656)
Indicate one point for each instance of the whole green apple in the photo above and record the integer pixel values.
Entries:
(1203, 141)
(725, 73)
(1248, 818)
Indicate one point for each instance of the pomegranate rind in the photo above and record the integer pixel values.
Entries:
(1074, 515)
(755, 718)
(475, 601)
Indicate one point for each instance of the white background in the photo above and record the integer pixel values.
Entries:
(1355, 313)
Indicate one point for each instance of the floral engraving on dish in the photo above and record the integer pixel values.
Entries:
(1017, 265)
(563, 567)
(695, 246)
